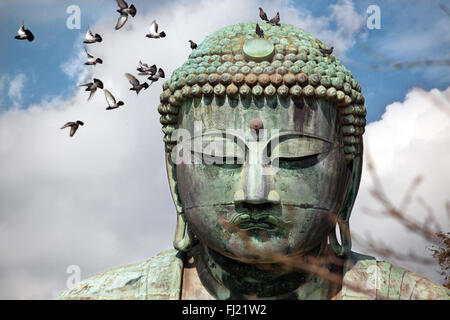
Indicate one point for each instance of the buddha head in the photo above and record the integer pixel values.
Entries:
(263, 142)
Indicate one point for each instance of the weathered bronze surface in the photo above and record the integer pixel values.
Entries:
(263, 141)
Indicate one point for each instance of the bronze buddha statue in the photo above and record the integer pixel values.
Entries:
(263, 142)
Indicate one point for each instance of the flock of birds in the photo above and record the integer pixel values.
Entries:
(153, 73)
(275, 21)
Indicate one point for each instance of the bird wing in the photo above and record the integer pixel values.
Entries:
(154, 28)
(122, 4)
(121, 21)
(88, 55)
(88, 85)
(89, 35)
(132, 79)
(143, 65)
(92, 93)
(98, 82)
(68, 124)
(73, 129)
(152, 69)
(21, 30)
(161, 73)
(109, 98)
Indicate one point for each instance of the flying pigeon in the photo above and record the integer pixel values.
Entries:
(326, 52)
(259, 31)
(91, 61)
(24, 34)
(112, 104)
(156, 76)
(137, 86)
(263, 15)
(92, 87)
(90, 38)
(154, 31)
(275, 20)
(193, 45)
(124, 12)
(145, 70)
(73, 126)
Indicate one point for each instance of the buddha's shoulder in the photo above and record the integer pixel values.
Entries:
(367, 278)
(156, 278)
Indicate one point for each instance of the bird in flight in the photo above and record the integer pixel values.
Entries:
(156, 76)
(90, 38)
(259, 31)
(112, 104)
(124, 11)
(136, 85)
(154, 31)
(91, 61)
(193, 45)
(92, 87)
(263, 15)
(145, 70)
(73, 126)
(24, 34)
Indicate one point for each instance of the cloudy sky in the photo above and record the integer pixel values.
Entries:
(101, 200)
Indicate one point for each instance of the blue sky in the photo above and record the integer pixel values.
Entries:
(401, 20)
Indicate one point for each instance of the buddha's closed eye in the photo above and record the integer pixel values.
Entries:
(292, 149)
(297, 151)
(218, 150)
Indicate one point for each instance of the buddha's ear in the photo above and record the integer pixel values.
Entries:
(184, 238)
(171, 175)
(355, 166)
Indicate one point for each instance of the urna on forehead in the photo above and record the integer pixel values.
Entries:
(234, 64)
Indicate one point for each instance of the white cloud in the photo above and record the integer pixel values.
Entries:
(411, 139)
(349, 21)
(101, 199)
(15, 88)
(3, 80)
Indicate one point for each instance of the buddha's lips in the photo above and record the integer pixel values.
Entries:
(246, 221)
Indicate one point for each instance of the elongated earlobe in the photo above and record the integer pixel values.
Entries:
(343, 248)
(184, 239)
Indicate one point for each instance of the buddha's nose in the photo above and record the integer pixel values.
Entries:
(256, 185)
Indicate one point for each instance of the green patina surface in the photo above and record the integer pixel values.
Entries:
(238, 220)
(218, 67)
(258, 49)
(159, 278)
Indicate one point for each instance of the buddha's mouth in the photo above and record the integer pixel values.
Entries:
(247, 222)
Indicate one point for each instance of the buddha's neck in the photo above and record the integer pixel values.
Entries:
(226, 278)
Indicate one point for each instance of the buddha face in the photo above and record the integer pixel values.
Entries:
(261, 178)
